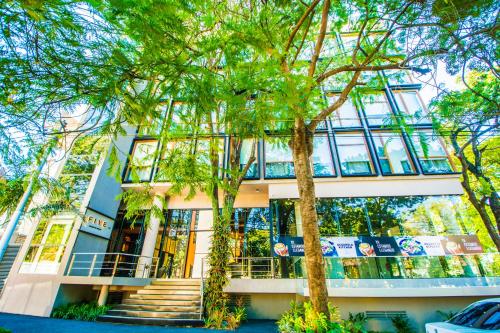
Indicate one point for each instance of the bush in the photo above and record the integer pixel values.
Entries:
(4, 330)
(303, 318)
(402, 325)
(224, 319)
(79, 311)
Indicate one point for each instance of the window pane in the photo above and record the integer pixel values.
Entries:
(409, 103)
(431, 153)
(346, 115)
(353, 154)
(142, 161)
(246, 151)
(279, 159)
(392, 153)
(322, 157)
(377, 109)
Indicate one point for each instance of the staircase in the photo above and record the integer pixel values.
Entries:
(6, 263)
(163, 302)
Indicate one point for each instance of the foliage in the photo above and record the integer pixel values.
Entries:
(402, 325)
(80, 311)
(11, 191)
(5, 330)
(223, 318)
(303, 318)
(469, 119)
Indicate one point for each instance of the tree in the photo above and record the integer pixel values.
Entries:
(470, 120)
(283, 55)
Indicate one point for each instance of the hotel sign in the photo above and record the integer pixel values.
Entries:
(366, 246)
(97, 224)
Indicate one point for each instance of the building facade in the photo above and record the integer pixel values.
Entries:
(395, 234)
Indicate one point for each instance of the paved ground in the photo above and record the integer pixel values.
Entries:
(29, 324)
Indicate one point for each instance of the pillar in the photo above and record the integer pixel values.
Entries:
(148, 247)
(103, 295)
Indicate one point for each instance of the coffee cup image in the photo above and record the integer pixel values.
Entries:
(366, 249)
(453, 247)
(281, 249)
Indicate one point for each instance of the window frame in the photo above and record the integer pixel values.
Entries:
(374, 135)
(403, 108)
(390, 112)
(362, 134)
(133, 147)
(447, 154)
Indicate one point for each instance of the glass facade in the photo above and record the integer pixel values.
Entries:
(377, 109)
(278, 158)
(354, 157)
(431, 152)
(392, 154)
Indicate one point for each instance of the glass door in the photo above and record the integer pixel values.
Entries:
(177, 244)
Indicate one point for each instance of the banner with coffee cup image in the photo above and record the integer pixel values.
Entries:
(366, 246)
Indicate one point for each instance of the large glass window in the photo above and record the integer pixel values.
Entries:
(247, 147)
(431, 152)
(141, 162)
(279, 159)
(392, 153)
(410, 104)
(48, 244)
(322, 157)
(346, 115)
(353, 154)
(377, 109)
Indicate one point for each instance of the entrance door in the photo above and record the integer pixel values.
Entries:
(176, 252)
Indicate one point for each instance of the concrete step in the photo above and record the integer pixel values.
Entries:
(192, 297)
(151, 321)
(157, 308)
(167, 292)
(172, 287)
(155, 314)
(173, 302)
(177, 282)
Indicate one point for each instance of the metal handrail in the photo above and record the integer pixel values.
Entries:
(149, 264)
(202, 289)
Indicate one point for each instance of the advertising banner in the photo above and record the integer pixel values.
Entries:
(366, 246)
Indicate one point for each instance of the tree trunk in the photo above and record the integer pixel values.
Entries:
(478, 204)
(301, 145)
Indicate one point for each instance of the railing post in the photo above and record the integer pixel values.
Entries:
(156, 268)
(91, 270)
(70, 267)
(201, 289)
(272, 267)
(115, 266)
(250, 268)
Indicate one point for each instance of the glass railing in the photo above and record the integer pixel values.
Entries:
(421, 267)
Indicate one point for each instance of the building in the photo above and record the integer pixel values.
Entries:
(396, 238)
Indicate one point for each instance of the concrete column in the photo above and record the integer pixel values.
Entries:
(103, 295)
(148, 247)
(203, 240)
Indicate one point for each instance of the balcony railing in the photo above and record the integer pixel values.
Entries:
(112, 265)
(397, 267)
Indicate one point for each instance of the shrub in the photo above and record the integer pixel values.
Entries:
(224, 319)
(303, 318)
(79, 311)
(4, 330)
(355, 323)
(402, 325)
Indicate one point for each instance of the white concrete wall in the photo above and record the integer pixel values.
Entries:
(203, 241)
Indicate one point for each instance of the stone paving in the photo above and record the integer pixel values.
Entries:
(30, 324)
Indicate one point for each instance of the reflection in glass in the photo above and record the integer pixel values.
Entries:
(392, 153)
(141, 162)
(279, 159)
(247, 147)
(431, 153)
(377, 109)
(353, 154)
(346, 115)
(410, 104)
(322, 157)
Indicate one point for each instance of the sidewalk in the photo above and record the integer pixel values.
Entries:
(30, 324)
